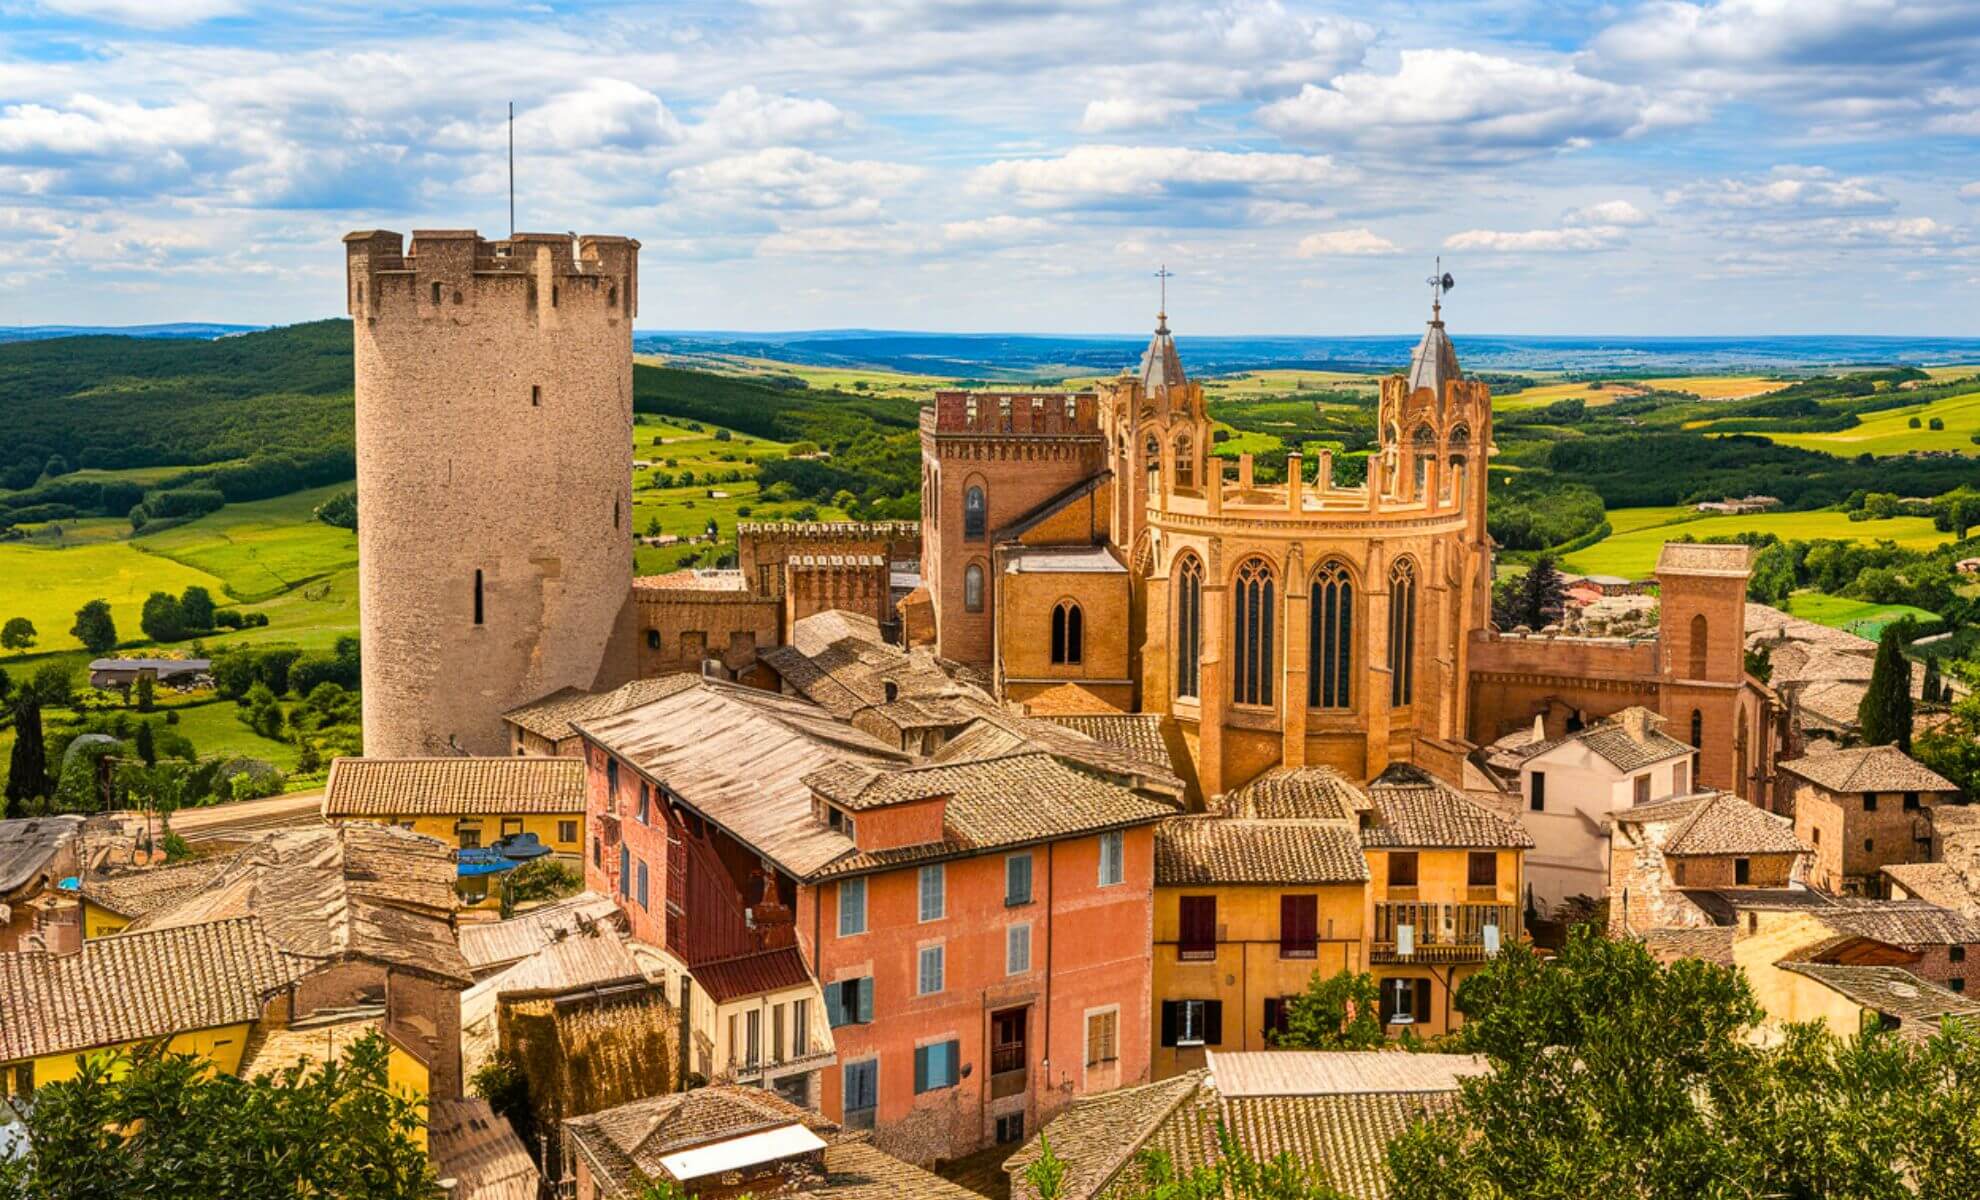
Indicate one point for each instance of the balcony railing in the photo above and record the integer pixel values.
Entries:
(1441, 932)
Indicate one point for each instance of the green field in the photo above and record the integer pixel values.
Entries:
(1890, 432)
(685, 510)
(263, 548)
(1593, 393)
(1632, 552)
(1860, 617)
(48, 586)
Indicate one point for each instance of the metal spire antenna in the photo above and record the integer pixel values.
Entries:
(1164, 274)
(1440, 282)
(512, 170)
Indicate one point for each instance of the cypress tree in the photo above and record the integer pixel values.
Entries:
(1542, 593)
(27, 776)
(1885, 712)
(1929, 691)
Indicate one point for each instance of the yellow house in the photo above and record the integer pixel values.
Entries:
(1445, 879)
(198, 989)
(1246, 911)
(1801, 970)
(466, 803)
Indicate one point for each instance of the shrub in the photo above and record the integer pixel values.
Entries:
(196, 607)
(1935, 423)
(227, 618)
(163, 620)
(247, 779)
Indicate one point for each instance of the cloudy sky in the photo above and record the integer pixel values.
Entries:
(1727, 167)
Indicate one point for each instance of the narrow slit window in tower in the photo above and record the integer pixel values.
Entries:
(536, 395)
(436, 295)
(478, 613)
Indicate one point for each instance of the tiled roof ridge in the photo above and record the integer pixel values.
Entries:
(1132, 1146)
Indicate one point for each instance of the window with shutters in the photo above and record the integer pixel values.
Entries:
(928, 975)
(1252, 615)
(1482, 869)
(567, 832)
(1681, 779)
(849, 1002)
(1017, 949)
(752, 1049)
(862, 1093)
(625, 871)
(852, 907)
(937, 1066)
(1192, 1022)
(1330, 644)
(1189, 625)
(642, 885)
(1017, 880)
(1103, 1037)
(800, 1028)
(1538, 800)
(934, 891)
(1299, 926)
(1196, 935)
(1402, 869)
(1113, 858)
(1642, 785)
(1405, 1001)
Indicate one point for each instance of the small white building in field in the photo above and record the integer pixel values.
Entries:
(1570, 786)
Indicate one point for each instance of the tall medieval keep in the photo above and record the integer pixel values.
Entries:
(494, 407)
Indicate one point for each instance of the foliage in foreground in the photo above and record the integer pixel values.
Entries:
(164, 1125)
(1616, 1077)
(1234, 1175)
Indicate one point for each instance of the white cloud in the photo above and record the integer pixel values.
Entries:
(1538, 241)
(745, 116)
(1101, 175)
(1970, 191)
(1119, 113)
(1609, 212)
(789, 179)
(89, 127)
(1352, 242)
(1000, 230)
(603, 113)
(1469, 105)
(146, 14)
(1787, 188)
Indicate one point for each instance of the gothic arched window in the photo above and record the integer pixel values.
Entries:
(1402, 632)
(1068, 634)
(1185, 462)
(1189, 625)
(1698, 656)
(1252, 612)
(1460, 444)
(973, 588)
(1423, 448)
(976, 513)
(1330, 638)
(1152, 451)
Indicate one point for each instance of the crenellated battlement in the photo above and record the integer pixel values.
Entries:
(828, 531)
(553, 275)
(1025, 414)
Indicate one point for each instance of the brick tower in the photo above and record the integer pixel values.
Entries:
(494, 462)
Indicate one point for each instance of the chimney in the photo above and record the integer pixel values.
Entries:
(1636, 722)
(1539, 728)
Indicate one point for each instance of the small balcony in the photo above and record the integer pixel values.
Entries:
(1442, 933)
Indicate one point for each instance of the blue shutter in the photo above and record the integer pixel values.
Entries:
(642, 885)
(625, 871)
(866, 1000)
(952, 1068)
(835, 1009)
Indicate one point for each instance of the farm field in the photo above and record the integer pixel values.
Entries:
(263, 548)
(1719, 387)
(47, 586)
(684, 510)
(1633, 554)
(1860, 617)
(1248, 385)
(845, 379)
(1890, 432)
(1594, 393)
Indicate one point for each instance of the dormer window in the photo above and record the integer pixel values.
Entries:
(839, 821)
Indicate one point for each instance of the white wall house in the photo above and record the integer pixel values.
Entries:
(1571, 785)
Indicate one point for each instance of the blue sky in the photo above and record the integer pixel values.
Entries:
(1731, 167)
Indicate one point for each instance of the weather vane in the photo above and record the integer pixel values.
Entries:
(1164, 274)
(1440, 282)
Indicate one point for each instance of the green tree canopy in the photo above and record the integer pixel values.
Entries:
(1884, 714)
(17, 634)
(94, 628)
(1338, 1012)
(163, 620)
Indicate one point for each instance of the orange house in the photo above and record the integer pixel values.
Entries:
(979, 926)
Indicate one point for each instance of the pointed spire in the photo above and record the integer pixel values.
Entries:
(1161, 366)
(1435, 362)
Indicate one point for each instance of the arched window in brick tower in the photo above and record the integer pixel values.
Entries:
(1152, 460)
(976, 513)
(1697, 647)
(1068, 634)
(1253, 616)
(1423, 448)
(973, 588)
(1460, 448)
(1189, 625)
(1185, 462)
(478, 612)
(1330, 638)
(1402, 632)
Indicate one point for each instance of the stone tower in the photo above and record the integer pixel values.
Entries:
(494, 462)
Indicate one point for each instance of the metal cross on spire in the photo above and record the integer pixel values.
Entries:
(1440, 282)
(1164, 274)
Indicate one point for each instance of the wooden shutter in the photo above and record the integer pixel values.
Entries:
(1298, 926)
(1422, 987)
(865, 988)
(835, 1006)
(1275, 1015)
(1171, 1017)
(1198, 919)
(921, 1068)
(1213, 1022)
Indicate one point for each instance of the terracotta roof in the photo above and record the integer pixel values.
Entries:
(470, 1144)
(858, 1171)
(1298, 793)
(1615, 742)
(1702, 558)
(1411, 808)
(309, 1044)
(364, 890)
(553, 716)
(1718, 823)
(1868, 769)
(28, 845)
(696, 579)
(1765, 624)
(1233, 850)
(727, 979)
(1935, 883)
(1337, 1112)
(453, 786)
(1712, 945)
(1829, 706)
(139, 892)
(490, 944)
(1905, 924)
(134, 986)
(999, 802)
(1136, 734)
(738, 756)
(1893, 991)
(623, 1145)
(997, 734)
(1821, 664)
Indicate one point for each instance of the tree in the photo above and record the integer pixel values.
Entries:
(147, 745)
(162, 619)
(147, 692)
(94, 628)
(56, 465)
(1930, 687)
(52, 685)
(1884, 715)
(196, 608)
(147, 1123)
(27, 772)
(1773, 575)
(17, 634)
(1339, 1012)
(1952, 747)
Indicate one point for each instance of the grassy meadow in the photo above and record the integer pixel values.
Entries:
(1890, 432)
(1631, 550)
(1860, 617)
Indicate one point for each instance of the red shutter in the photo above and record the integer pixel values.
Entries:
(1199, 925)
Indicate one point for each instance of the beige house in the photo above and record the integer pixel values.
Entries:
(1668, 862)
(1570, 786)
(1863, 809)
